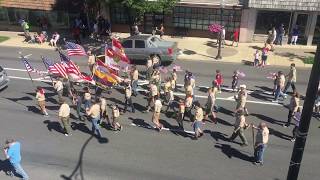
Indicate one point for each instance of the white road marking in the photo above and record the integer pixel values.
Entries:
(230, 98)
(22, 78)
(13, 69)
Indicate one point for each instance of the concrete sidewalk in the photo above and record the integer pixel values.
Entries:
(192, 48)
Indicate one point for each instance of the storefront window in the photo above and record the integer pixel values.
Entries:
(268, 19)
(119, 15)
(3, 14)
(316, 37)
(201, 18)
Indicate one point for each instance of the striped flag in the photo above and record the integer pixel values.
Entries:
(55, 68)
(74, 49)
(29, 68)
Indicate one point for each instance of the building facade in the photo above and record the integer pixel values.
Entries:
(259, 16)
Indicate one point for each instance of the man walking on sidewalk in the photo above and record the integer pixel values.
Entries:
(292, 78)
(12, 153)
(64, 115)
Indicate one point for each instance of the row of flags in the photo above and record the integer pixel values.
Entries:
(104, 74)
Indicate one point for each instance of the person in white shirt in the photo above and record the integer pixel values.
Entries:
(54, 39)
(156, 113)
(64, 115)
(58, 86)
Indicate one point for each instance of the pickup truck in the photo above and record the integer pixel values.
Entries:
(140, 47)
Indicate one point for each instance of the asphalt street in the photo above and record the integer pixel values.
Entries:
(139, 152)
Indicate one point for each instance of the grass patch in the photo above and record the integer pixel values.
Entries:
(3, 38)
(308, 60)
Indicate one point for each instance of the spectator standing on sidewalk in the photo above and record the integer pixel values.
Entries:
(54, 39)
(41, 100)
(12, 153)
(239, 126)
(296, 118)
(294, 35)
(292, 78)
(64, 116)
(58, 86)
(280, 34)
(293, 107)
(256, 58)
(262, 138)
(236, 37)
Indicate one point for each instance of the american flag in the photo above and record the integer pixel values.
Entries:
(75, 49)
(69, 65)
(55, 68)
(29, 68)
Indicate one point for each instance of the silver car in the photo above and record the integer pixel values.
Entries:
(4, 79)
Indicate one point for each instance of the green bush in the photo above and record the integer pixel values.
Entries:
(3, 38)
(308, 60)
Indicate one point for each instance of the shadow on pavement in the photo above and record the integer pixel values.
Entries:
(217, 135)
(176, 130)
(140, 123)
(279, 134)
(231, 152)
(226, 123)
(53, 125)
(226, 111)
(268, 119)
(5, 166)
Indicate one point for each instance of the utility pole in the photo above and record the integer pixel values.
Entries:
(306, 116)
(218, 57)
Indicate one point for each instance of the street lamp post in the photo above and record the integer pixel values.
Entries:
(220, 36)
(303, 130)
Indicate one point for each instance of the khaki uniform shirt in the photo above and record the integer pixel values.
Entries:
(149, 63)
(115, 113)
(199, 114)
(181, 108)
(262, 136)
(189, 90)
(174, 76)
(242, 98)
(167, 86)
(292, 76)
(91, 59)
(94, 111)
(154, 90)
(135, 75)
(40, 97)
(103, 103)
(58, 86)
(294, 104)
(240, 121)
(157, 106)
(87, 96)
(64, 110)
(128, 91)
(188, 102)
(281, 81)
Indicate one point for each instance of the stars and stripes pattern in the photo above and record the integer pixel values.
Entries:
(29, 68)
(69, 65)
(75, 49)
(55, 68)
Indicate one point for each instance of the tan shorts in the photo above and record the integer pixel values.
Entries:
(42, 104)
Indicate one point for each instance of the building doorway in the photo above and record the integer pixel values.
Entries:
(152, 20)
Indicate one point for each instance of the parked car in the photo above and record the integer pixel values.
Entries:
(4, 79)
(140, 47)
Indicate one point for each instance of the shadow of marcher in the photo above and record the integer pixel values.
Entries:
(53, 125)
(279, 134)
(140, 123)
(256, 47)
(264, 88)
(176, 130)
(261, 97)
(268, 119)
(139, 107)
(226, 123)
(226, 111)
(231, 152)
(217, 135)
(33, 109)
(81, 127)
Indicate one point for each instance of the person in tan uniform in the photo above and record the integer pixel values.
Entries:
(198, 120)
(174, 78)
(280, 82)
(134, 80)
(156, 113)
(262, 138)
(188, 107)
(58, 86)
(293, 107)
(156, 79)
(292, 78)
(210, 112)
(152, 93)
(239, 126)
(180, 116)
(115, 118)
(91, 61)
(94, 113)
(41, 100)
(241, 99)
(103, 111)
(64, 115)
(149, 68)
(128, 98)
(87, 98)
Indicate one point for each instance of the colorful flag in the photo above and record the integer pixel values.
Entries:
(119, 51)
(29, 68)
(55, 68)
(75, 49)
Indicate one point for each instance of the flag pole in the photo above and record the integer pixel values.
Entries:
(22, 57)
(45, 65)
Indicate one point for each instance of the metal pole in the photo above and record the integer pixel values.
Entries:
(308, 104)
(22, 57)
(45, 65)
